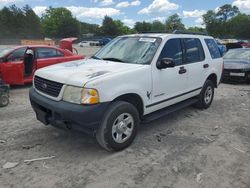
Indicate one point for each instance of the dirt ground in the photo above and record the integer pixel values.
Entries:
(187, 149)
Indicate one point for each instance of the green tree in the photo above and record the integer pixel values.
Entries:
(239, 26)
(109, 27)
(197, 29)
(227, 12)
(59, 23)
(174, 23)
(86, 28)
(32, 24)
(217, 24)
(158, 26)
(142, 27)
(19, 23)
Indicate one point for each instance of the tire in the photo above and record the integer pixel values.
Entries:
(114, 134)
(206, 96)
(4, 101)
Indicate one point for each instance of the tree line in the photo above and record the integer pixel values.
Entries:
(16, 22)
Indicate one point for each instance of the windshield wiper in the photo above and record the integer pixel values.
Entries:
(94, 57)
(113, 59)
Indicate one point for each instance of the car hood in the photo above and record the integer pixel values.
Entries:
(78, 73)
(236, 64)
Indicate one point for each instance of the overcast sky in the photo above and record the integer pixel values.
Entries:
(130, 11)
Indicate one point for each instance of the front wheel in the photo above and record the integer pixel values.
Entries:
(119, 126)
(206, 96)
(4, 101)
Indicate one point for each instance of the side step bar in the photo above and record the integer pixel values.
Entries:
(168, 110)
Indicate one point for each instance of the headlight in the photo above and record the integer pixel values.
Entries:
(80, 95)
(90, 96)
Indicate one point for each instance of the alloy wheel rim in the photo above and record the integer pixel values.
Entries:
(208, 95)
(122, 128)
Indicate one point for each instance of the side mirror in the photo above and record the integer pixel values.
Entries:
(165, 63)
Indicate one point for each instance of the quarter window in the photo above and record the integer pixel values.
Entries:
(173, 50)
(213, 48)
(193, 50)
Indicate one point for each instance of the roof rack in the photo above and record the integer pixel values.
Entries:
(189, 32)
(151, 32)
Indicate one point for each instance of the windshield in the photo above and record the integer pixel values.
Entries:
(5, 51)
(240, 54)
(135, 50)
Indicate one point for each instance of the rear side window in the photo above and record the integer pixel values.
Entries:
(193, 50)
(173, 50)
(213, 48)
(48, 53)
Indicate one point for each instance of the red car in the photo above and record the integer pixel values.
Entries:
(18, 64)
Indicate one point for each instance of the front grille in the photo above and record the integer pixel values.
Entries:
(47, 86)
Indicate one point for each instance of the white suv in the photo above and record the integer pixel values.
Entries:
(133, 79)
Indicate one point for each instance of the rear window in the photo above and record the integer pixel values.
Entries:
(213, 48)
(194, 50)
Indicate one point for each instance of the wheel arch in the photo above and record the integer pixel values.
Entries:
(214, 79)
(133, 99)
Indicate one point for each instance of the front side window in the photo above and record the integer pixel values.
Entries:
(46, 53)
(172, 50)
(193, 50)
(17, 55)
(213, 48)
(135, 50)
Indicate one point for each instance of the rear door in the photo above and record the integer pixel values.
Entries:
(194, 58)
(13, 69)
(46, 56)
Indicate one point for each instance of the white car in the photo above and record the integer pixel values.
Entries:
(84, 44)
(133, 79)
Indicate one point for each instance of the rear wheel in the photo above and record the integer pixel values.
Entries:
(4, 101)
(119, 127)
(206, 96)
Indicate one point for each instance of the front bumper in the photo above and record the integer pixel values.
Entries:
(236, 75)
(61, 114)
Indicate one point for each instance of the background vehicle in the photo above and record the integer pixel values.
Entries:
(17, 67)
(233, 45)
(84, 43)
(222, 47)
(237, 65)
(133, 78)
(104, 41)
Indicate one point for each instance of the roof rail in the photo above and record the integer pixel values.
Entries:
(151, 32)
(189, 32)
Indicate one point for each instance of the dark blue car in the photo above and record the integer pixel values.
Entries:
(104, 41)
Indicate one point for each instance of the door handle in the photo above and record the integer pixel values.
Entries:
(205, 66)
(182, 70)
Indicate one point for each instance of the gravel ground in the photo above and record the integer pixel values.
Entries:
(189, 148)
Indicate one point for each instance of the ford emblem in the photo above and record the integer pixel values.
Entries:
(44, 85)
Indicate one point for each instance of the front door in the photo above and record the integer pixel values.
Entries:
(13, 68)
(170, 84)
